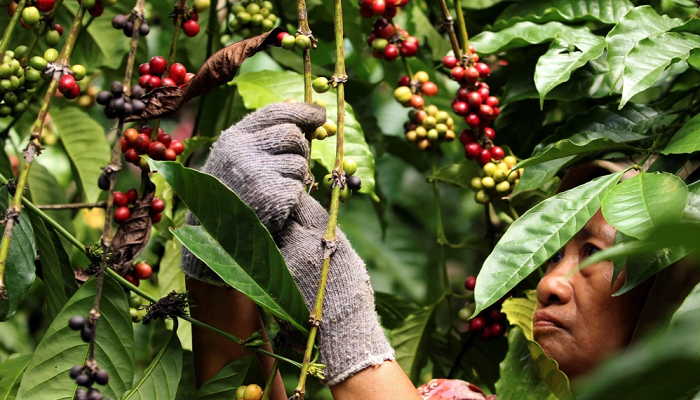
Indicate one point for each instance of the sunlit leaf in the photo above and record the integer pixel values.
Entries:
(605, 11)
(686, 140)
(519, 35)
(536, 236)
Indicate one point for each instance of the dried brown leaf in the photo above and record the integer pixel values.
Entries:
(132, 236)
(219, 69)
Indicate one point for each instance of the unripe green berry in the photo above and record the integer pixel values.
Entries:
(5, 110)
(490, 168)
(482, 197)
(89, 3)
(327, 181)
(267, 5)
(487, 182)
(330, 127)
(289, 42)
(499, 176)
(432, 110)
(5, 70)
(433, 135)
(476, 183)
(135, 301)
(52, 38)
(38, 63)
(20, 51)
(51, 55)
(252, 8)
(320, 133)
(303, 42)
(320, 85)
(345, 194)
(237, 8)
(379, 44)
(267, 24)
(442, 117)
(256, 20)
(31, 16)
(441, 128)
(243, 17)
(466, 313)
(349, 166)
(78, 72)
(503, 187)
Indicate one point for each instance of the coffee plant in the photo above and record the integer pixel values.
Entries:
(451, 124)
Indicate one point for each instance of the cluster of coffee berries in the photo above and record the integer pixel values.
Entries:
(352, 182)
(68, 85)
(428, 127)
(388, 41)
(289, 42)
(30, 14)
(152, 74)
(387, 8)
(410, 91)
(490, 323)
(498, 180)
(190, 26)
(250, 392)
(162, 148)
(125, 23)
(329, 128)
(125, 201)
(96, 7)
(136, 310)
(250, 18)
(118, 104)
(141, 271)
(83, 375)
(15, 81)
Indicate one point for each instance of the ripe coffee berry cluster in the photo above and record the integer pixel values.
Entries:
(352, 182)
(162, 148)
(153, 74)
(118, 104)
(410, 91)
(490, 323)
(388, 41)
(429, 127)
(126, 201)
(251, 18)
(68, 85)
(81, 374)
(125, 23)
(140, 271)
(96, 7)
(250, 392)
(387, 8)
(498, 180)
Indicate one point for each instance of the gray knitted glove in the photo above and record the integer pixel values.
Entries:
(263, 159)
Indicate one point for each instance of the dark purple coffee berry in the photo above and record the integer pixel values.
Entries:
(76, 322)
(94, 394)
(138, 106)
(103, 182)
(86, 334)
(80, 394)
(128, 108)
(83, 380)
(117, 89)
(119, 21)
(75, 371)
(136, 91)
(144, 29)
(101, 377)
(354, 183)
(129, 28)
(103, 98)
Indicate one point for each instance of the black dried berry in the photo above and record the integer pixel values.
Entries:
(129, 28)
(103, 98)
(101, 377)
(86, 334)
(94, 394)
(119, 21)
(75, 371)
(76, 322)
(80, 394)
(83, 380)
(117, 88)
(354, 183)
(136, 91)
(138, 106)
(144, 29)
(103, 182)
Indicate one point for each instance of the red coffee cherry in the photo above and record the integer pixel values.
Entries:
(132, 195)
(132, 156)
(472, 120)
(489, 133)
(164, 138)
(177, 146)
(191, 28)
(157, 65)
(484, 157)
(157, 206)
(156, 218)
(121, 215)
(484, 70)
(156, 150)
(120, 199)
(497, 330)
(477, 324)
(429, 89)
(132, 279)
(144, 69)
(457, 73)
(460, 108)
(497, 153)
(466, 137)
(472, 150)
(449, 62)
(470, 283)
(474, 100)
(169, 155)
(485, 333)
(496, 315)
(143, 271)
(178, 71)
(492, 101)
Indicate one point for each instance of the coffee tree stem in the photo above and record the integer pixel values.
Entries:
(462, 26)
(7, 37)
(339, 77)
(449, 25)
(34, 146)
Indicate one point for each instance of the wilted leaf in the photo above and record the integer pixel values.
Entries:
(219, 69)
(536, 236)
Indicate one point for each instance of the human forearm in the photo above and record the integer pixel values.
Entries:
(385, 381)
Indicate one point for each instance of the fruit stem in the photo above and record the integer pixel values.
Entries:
(462, 28)
(111, 170)
(33, 148)
(304, 29)
(48, 18)
(72, 206)
(408, 67)
(448, 23)
(10, 28)
(212, 29)
(441, 238)
(329, 237)
(181, 4)
(270, 380)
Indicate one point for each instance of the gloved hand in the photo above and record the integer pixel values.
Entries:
(263, 159)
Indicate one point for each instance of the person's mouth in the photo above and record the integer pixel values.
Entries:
(542, 319)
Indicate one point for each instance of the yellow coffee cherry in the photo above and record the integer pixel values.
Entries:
(503, 167)
(503, 187)
(432, 110)
(429, 122)
(433, 135)
(330, 127)
(411, 136)
(450, 136)
(421, 76)
(499, 176)
(482, 197)
(442, 117)
(421, 132)
(291, 101)
(476, 183)
(441, 128)
(490, 168)
(424, 145)
(320, 133)
(513, 176)
(487, 182)
(510, 161)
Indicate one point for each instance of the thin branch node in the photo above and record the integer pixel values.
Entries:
(33, 149)
(336, 80)
(11, 214)
(314, 321)
(448, 24)
(329, 247)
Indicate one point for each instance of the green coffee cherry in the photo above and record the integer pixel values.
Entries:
(89, 3)
(320, 133)
(252, 8)
(349, 166)
(289, 42)
(499, 176)
(268, 24)
(476, 183)
(243, 17)
(20, 51)
(135, 301)
(303, 42)
(345, 194)
(52, 38)
(5, 70)
(320, 85)
(78, 72)
(330, 127)
(379, 44)
(327, 181)
(51, 55)
(31, 16)
(19, 107)
(38, 63)
(237, 8)
(482, 197)
(257, 19)
(433, 135)
(5, 110)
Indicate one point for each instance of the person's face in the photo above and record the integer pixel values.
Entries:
(578, 322)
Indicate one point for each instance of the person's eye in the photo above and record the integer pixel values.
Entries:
(591, 249)
(556, 258)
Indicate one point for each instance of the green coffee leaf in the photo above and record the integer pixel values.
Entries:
(411, 340)
(263, 87)
(519, 35)
(19, 268)
(539, 233)
(160, 380)
(645, 201)
(233, 242)
(459, 174)
(393, 309)
(686, 140)
(650, 57)
(223, 385)
(11, 371)
(566, 54)
(84, 141)
(539, 11)
(61, 348)
(637, 24)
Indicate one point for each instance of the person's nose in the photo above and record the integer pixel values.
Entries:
(555, 287)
